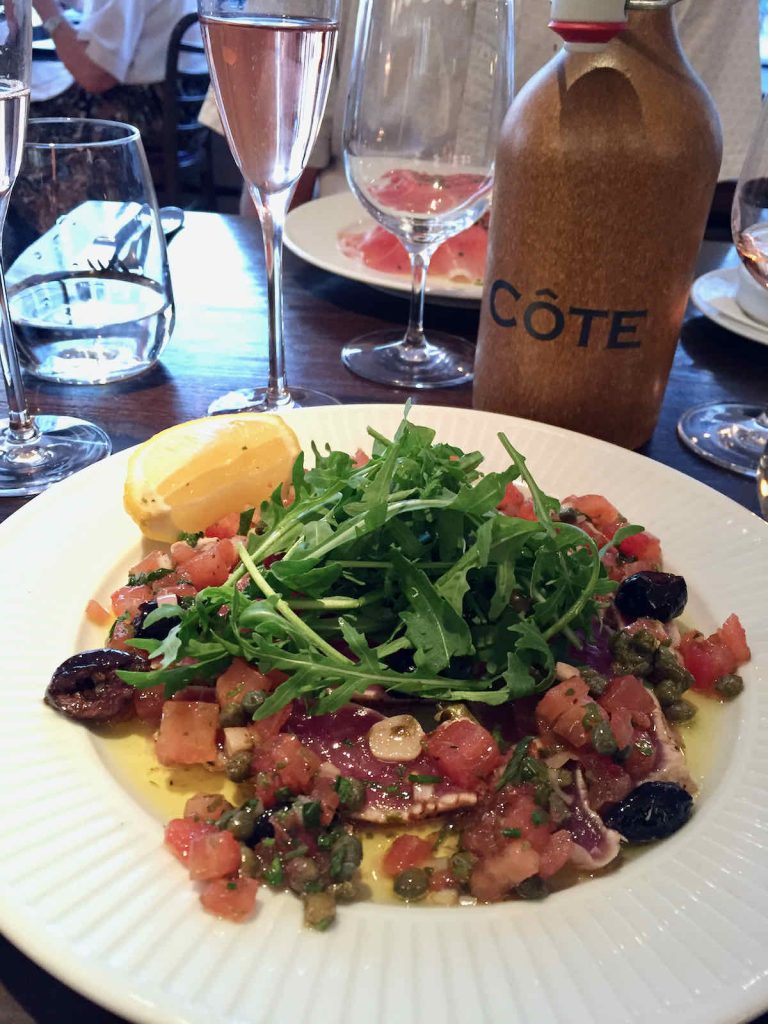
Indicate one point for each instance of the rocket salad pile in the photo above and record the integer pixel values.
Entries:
(406, 640)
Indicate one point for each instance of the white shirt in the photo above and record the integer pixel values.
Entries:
(129, 38)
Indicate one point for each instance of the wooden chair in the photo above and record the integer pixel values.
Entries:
(186, 143)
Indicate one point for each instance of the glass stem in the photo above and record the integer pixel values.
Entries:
(272, 211)
(414, 335)
(21, 427)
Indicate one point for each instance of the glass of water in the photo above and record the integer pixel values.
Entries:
(89, 289)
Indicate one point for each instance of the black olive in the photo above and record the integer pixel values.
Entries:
(652, 811)
(158, 630)
(652, 595)
(86, 688)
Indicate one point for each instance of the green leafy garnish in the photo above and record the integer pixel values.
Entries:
(399, 573)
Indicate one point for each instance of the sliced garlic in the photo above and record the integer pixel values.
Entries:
(396, 739)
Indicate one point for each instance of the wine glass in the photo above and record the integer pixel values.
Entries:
(35, 452)
(431, 83)
(735, 434)
(271, 63)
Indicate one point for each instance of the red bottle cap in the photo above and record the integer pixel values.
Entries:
(587, 31)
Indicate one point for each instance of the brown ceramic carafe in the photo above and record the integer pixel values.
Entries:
(605, 174)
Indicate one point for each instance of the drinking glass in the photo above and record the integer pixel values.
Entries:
(34, 451)
(431, 83)
(735, 434)
(271, 63)
(89, 287)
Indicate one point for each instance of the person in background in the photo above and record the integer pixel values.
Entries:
(720, 37)
(112, 61)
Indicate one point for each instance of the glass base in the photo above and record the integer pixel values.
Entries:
(444, 361)
(65, 445)
(729, 434)
(263, 400)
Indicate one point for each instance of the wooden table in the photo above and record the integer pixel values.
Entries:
(219, 343)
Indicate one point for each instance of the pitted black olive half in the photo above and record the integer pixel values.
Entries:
(652, 595)
(86, 688)
(652, 811)
(158, 630)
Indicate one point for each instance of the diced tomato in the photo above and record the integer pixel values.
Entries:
(643, 755)
(605, 516)
(211, 566)
(231, 898)
(187, 733)
(709, 658)
(643, 547)
(151, 563)
(206, 806)
(464, 751)
(629, 693)
(442, 879)
(180, 832)
(213, 855)
(622, 727)
(514, 503)
(732, 634)
(562, 710)
(240, 678)
(127, 599)
(122, 632)
(556, 853)
(175, 584)
(293, 765)
(97, 613)
(407, 851)
(267, 728)
(227, 526)
(495, 876)
(148, 703)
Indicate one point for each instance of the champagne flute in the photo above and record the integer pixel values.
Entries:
(735, 434)
(35, 452)
(431, 83)
(271, 64)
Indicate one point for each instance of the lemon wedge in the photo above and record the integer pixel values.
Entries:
(192, 474)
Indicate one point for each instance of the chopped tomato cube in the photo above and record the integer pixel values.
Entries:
(464, 751)
(240, 678)
(232, 898)
(97, 613)
(148, 703)
(187, 733)
(294, 765)
(127, 599)
(515, 504)
(732, 634)
(709, 658)
(556, 853)
(407, 851)
(180, 832)
(227, 526)
(212, 855)
(211, 566)
(151, 563)
(643, 547)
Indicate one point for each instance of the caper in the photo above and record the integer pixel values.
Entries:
(680, 711)
(352, 792)
(232, 716)
(596, 682)
(239, 766)
(667, 666)
(633, 654)
(252, 701)
(250, 864)
(729, 686)
(345, 892)
(244, 822)
(319, 910)
(412, 884)
(668, 691)
(462, 863)
(603, 739)
(533, 888)
(300, 871)
(346, 855)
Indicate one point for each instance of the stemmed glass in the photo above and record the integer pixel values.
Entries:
(431, 82)
(35, 452)
(271, 63)
(735, 434)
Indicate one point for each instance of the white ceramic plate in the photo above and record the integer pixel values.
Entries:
(311, 231)
(714, 294)
(677, 935)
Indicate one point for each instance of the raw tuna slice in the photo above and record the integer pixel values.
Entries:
(594, 844)
(392, 793)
